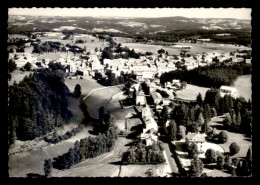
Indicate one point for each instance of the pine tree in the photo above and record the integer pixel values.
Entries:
(191, 114)
(47, 167)
(200, 120)
(196, 167)
(172, 130)
(249, 161)
(199, 99)
(77, 90)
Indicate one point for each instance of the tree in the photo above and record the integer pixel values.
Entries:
(102, 113)
(160, 51)
(212, 98)
(205, 127)
(207, 113)
(199, 99)
(77, 90)
(210, 155)
(228, 162)
(213, 111)
(27, 66)
(227, 121)
(234, 148)
(11, 65)
(248, 162)
(164, 115)
(196, 167)
(220, 160)
(193, 149)
(47, 167)
(200, 120)
(191, 114)
(223, 137)
(172, 130)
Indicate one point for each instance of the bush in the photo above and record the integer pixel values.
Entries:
(234, 148)
(223, 137)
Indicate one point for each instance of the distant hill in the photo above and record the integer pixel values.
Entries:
(122, 25)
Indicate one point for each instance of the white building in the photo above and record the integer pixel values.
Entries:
(228, 90)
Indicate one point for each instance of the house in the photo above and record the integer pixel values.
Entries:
(140, 99)
(149, 138)
(176, 82)
(196, 138)
(227, 90)
(146, 113)
(157, 98)
(150, 126)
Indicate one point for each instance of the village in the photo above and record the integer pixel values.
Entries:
(149, 97)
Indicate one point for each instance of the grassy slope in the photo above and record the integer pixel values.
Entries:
(191, 92)
(98, 99)
(18, 75)
(86, 85)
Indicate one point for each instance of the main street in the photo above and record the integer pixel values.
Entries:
(171, 160)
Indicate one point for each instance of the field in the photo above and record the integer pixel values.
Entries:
(101, 166)
(191, 92)
(86, 84)
(57, 37)
(244, 86)
(18, 75)
(196, 48)
(98, 99)
(243, 141)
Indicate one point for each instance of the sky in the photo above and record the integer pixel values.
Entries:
(237, 13)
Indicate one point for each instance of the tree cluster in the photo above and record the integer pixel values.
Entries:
(58, 138)
(209, 76)
(87, 148)
(142, 154)
(238, 111)
(37, 105)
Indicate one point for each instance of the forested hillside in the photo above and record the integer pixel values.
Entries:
(209, 76)
(37, 104)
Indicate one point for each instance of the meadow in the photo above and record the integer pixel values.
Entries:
(197, 48)
(243, 85)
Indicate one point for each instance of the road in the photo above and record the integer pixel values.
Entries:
(172, 163)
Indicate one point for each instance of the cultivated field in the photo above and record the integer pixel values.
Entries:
(191, 92)
(243, 85)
